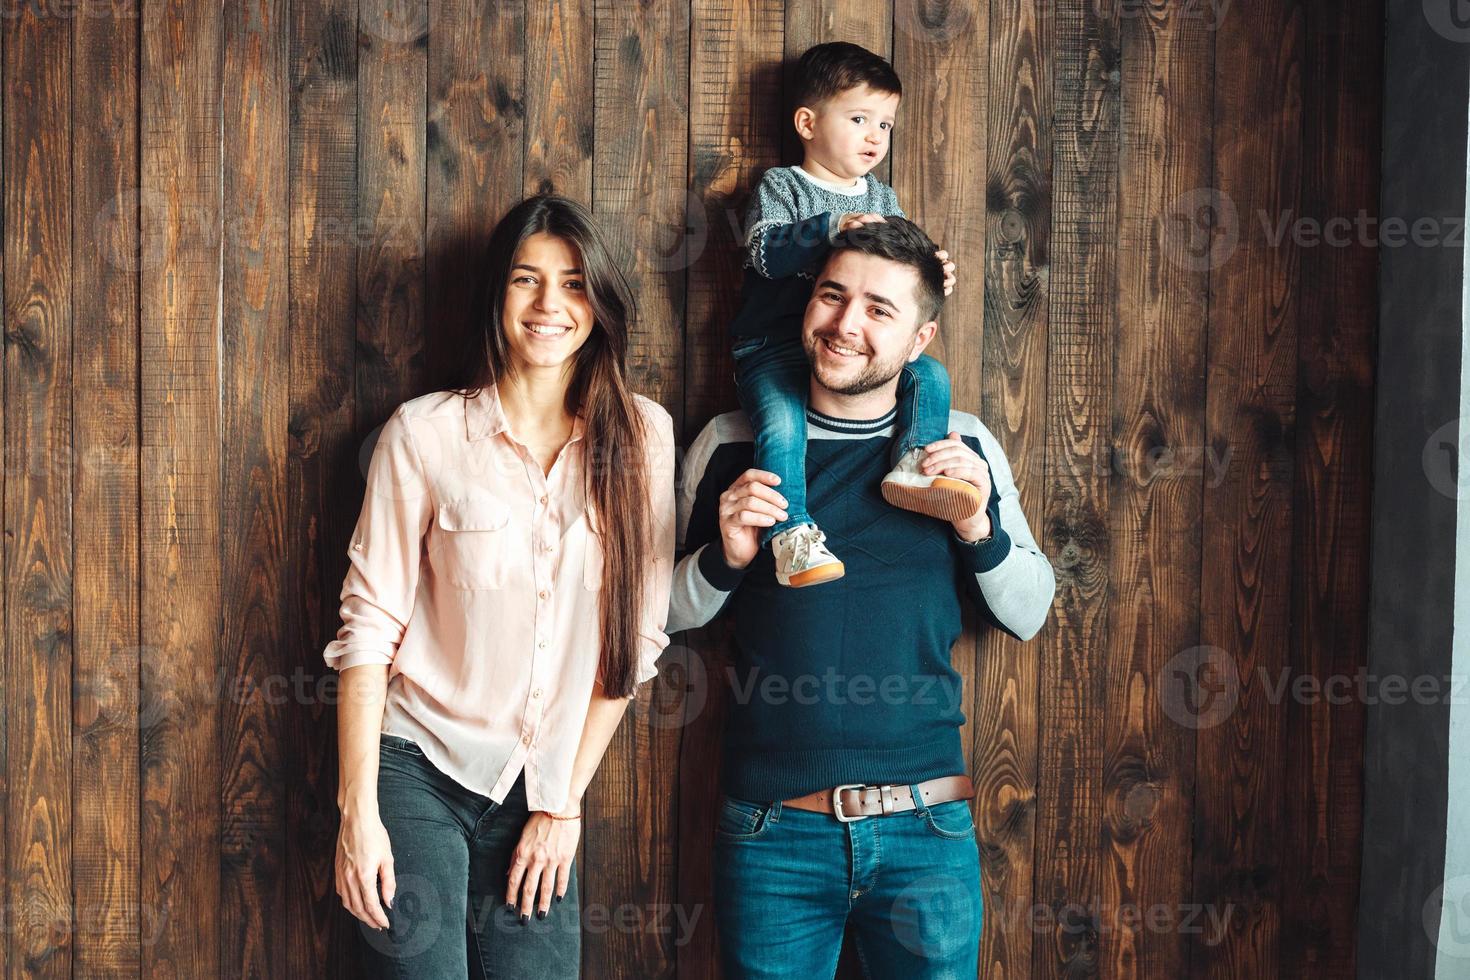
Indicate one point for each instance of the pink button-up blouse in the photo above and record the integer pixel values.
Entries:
(477, 577)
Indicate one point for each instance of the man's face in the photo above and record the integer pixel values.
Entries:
(863, 323)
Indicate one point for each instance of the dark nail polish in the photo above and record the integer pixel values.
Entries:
(558, 898)
(525, 918)
(540, 913)
(510, 905)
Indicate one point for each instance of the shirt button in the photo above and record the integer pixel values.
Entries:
(541, 644)
(542, 593)
(547, 547)
(357, 547)
(543, 498)
(536, 693)
(525, 740)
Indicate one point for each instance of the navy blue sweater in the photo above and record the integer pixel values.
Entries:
(850, 681)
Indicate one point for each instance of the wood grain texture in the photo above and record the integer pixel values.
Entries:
(182, 585)
(1331, 490)
(1016, 266)
(559, 99)
(254, 409)
(1081, 326)
(237, 236)
(39, 456)
(1247, 477)
(474, 139)
(322, 463)
(105, 614)
(1158, 404)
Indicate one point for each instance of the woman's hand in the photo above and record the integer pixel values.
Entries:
(542, 862)
(363, 855)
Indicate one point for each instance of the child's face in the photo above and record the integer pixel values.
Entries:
(849, 134)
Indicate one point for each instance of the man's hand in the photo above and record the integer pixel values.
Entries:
(952, 458)
(943, 256)
(855, 219)
(749, 505)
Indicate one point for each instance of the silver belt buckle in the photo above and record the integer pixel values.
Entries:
(837, 803)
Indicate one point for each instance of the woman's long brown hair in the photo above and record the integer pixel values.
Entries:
(614, 437)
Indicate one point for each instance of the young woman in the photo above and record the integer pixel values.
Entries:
(507, 594)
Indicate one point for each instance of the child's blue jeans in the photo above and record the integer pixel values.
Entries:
(773, 377)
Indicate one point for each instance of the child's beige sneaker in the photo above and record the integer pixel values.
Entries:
(944, 497)
(802, 559)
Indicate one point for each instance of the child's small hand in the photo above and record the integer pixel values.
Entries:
(943, 256)
(854, 219)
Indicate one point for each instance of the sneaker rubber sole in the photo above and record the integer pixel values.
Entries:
(814, 576)
(946, 498)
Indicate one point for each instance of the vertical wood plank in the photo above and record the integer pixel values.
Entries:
(321, 938)
(38, 501)
(559, 129)
(1158, 406)
(105, 856)
(1246, 587)
(474, 140)
(392, 91)
(1341, 109)
(1081, 333)
(1007, 686)
(639, 195)
(254, 408)
(179, 297)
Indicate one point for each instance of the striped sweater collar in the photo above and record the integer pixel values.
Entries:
(852, 426)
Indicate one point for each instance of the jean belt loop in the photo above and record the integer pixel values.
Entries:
(775, 815)
(919, 806)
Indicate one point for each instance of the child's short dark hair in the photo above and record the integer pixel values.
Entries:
(828, 69)
(904, 242)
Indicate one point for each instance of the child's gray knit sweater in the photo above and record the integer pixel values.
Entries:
(790, 225)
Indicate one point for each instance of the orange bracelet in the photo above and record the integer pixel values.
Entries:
(555, 817)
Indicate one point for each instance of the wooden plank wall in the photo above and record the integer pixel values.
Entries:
(238, 234)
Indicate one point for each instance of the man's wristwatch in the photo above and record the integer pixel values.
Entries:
(978, 540)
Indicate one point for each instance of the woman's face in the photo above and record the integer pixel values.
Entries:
(547, 314)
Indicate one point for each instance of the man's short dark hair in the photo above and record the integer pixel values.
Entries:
(902, 241)
(829, 69)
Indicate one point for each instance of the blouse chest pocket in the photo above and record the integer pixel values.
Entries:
(475, 547)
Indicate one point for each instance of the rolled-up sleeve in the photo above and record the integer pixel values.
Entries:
(652, 638)
(381, 585)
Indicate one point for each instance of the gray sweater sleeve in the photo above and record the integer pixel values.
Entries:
(1011, 581)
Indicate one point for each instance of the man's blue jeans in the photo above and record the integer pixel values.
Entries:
(773, 377)
(788, 881)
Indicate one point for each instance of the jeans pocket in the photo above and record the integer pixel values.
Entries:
(400, 744)
(742, 819)
(951, 820)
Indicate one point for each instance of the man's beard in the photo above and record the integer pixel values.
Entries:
(875, 375)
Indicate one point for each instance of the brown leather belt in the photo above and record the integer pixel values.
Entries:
(855, 801)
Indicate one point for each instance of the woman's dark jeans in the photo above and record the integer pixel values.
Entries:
(451, 853)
